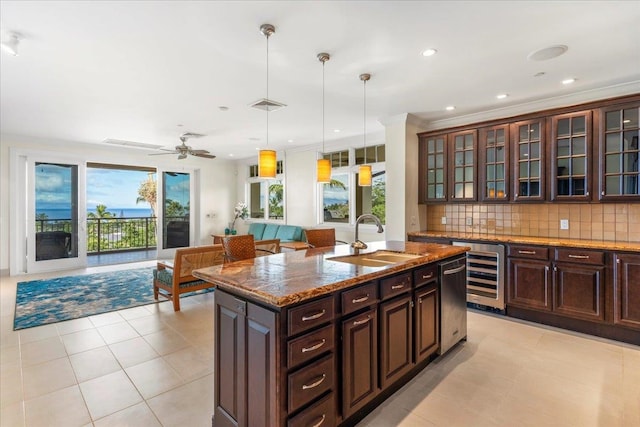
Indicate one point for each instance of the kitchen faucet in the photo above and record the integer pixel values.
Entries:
(359, 244)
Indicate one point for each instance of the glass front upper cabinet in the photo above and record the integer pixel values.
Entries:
(494, 163)
(619, 153)
(433, 156)
(463, 175)
(528, 144)
(571, 156)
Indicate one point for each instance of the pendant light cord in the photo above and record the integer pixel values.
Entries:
(323, 109)
(365, 122)
(267, 92)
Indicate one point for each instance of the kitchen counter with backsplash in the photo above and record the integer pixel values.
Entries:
(531, 240)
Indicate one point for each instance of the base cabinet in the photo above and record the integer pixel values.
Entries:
(627, 291)
(359, 361)
(529, 284)
(327, 361)
(579, 291)
(244, 348)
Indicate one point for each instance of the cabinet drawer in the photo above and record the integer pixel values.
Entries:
(310, 382)
(581, 256)
(362, 296)
(310, 345)
(308, 315)
(320, 414)
(424, 275)
(395, 285)
(529, 252)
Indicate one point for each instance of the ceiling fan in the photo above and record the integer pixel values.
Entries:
(183, 149)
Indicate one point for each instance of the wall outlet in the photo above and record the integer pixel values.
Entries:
(564, 224)
(469, 221)
(443, 220)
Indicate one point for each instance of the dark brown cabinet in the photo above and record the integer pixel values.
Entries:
(627, 291)
(244, 350)
(571, 156)
(462, 176)
(578, 284)
(433, 169)
(493, 161)
(396, 339)
(619, 152)
(427, 322)
(359, 361)
(529, 148)
(529, 277)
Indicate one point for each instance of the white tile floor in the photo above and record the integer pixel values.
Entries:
(149, 366)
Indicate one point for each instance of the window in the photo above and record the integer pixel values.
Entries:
(342, 199)
(266, 198)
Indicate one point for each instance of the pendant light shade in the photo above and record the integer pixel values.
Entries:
(267, 158)
(364, 172)
(323, 167)
(364, 176)
(324, 170)
(267, 164)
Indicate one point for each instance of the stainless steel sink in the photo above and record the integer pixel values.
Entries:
(376, 259)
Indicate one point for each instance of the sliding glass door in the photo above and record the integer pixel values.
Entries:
(55, 216)
(176, 207)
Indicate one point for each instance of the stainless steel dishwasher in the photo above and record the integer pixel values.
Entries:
(453, 303)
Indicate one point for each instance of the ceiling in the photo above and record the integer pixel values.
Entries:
(147, 71)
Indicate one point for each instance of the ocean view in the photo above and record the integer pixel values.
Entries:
(118, 212)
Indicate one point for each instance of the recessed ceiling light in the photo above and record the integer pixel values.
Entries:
(502, 96)
(336, 130)
(547, 53)
(429, 52)
(230, 154)
(289, 140)
(450, 108)
(568, 81)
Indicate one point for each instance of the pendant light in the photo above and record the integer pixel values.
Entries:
(267, 158)
(323, 165)
(364, 172)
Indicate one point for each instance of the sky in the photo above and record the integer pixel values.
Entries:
(117, 189)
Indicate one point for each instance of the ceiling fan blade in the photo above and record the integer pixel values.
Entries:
(204, 155)
(194, 152)
(162, 154)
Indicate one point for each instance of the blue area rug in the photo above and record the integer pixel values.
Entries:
(39, 302)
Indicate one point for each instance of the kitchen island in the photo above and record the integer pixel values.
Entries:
(320, 337)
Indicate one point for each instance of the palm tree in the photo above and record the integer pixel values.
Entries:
(147, 192)
(101, 212)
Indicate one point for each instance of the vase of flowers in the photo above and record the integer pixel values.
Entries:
(240, 211)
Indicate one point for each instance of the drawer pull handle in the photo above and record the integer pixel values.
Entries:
(319, 423)
(400, 286)
(314, 316)
(361, 322)
(579, 256)
(315, 383)
(314, 347)
(428, 276)
(361, 299)
(527, 252)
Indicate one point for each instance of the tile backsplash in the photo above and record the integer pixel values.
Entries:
(601, 221)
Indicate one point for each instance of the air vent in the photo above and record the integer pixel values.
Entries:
(267, 104)
(131, 143)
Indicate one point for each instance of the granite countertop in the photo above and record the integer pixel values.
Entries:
(290, 277)
(532, 240)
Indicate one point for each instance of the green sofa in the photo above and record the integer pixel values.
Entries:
(267, 231)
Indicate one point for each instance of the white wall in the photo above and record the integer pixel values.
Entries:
(217, 180)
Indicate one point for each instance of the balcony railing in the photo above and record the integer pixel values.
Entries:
(110, 234)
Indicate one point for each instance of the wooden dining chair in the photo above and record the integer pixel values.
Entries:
(321, 237)
(241, 247)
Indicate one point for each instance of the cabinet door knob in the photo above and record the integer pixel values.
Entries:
(315, 383)
(319, 423)
(314, 316)
(361, 299)
(361, 322)
(314, 347)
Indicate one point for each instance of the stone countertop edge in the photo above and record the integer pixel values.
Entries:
(288, 278)
(532, 240)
